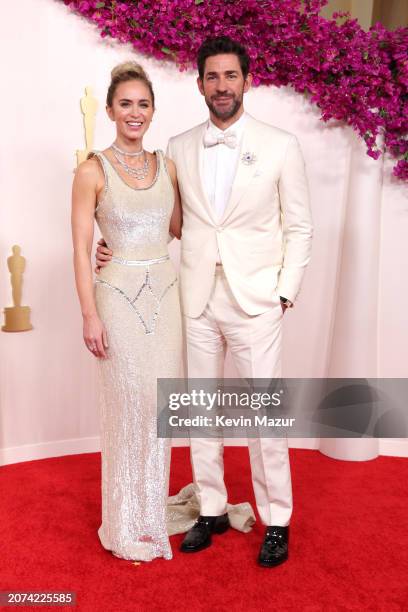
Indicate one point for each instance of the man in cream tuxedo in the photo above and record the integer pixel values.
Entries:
(245, 244)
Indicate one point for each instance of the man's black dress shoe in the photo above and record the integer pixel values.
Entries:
(274, 549)
(199, 536)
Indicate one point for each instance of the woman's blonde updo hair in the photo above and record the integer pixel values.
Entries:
(127, 71)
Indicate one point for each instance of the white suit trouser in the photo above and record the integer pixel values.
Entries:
(255, 345)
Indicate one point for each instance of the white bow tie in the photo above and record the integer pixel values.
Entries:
(228, 138)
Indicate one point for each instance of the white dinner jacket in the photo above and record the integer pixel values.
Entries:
(264, 236)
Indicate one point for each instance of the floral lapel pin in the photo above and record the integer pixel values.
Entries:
(248, 158)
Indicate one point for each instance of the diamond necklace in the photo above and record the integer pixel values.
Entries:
(137, 154)
(138, 173)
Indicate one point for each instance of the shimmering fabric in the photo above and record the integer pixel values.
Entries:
(139, 306)
(183, 510)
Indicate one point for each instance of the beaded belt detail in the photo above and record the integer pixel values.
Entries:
(140, 262)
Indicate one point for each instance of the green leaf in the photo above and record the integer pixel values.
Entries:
(100, 5)
(199, 1)
(167, 50)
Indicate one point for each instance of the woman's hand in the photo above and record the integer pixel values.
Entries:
(95, 336)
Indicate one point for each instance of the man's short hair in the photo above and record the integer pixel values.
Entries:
(222, 44)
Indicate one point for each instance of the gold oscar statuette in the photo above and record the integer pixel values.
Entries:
(89, 106)
(16, 317)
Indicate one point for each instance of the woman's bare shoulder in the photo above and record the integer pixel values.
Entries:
(89, 170)
(171, 166)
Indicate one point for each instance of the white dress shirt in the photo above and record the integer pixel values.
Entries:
(219, 166)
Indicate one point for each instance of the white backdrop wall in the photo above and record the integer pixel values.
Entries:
(47, 378)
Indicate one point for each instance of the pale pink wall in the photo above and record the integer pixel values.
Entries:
(47, 394)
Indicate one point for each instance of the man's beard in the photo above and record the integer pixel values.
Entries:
(228, 113)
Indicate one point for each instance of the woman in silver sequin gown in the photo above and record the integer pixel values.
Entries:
(132, 317)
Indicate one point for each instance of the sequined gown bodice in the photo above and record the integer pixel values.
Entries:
(135, 222)
(137, 300)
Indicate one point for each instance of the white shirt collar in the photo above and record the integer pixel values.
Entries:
(237, 127)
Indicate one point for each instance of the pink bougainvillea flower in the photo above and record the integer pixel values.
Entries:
(354, 76)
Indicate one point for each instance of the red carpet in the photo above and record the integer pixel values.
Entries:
(348, 548)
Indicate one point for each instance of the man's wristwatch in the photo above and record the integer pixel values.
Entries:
(286, 302)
